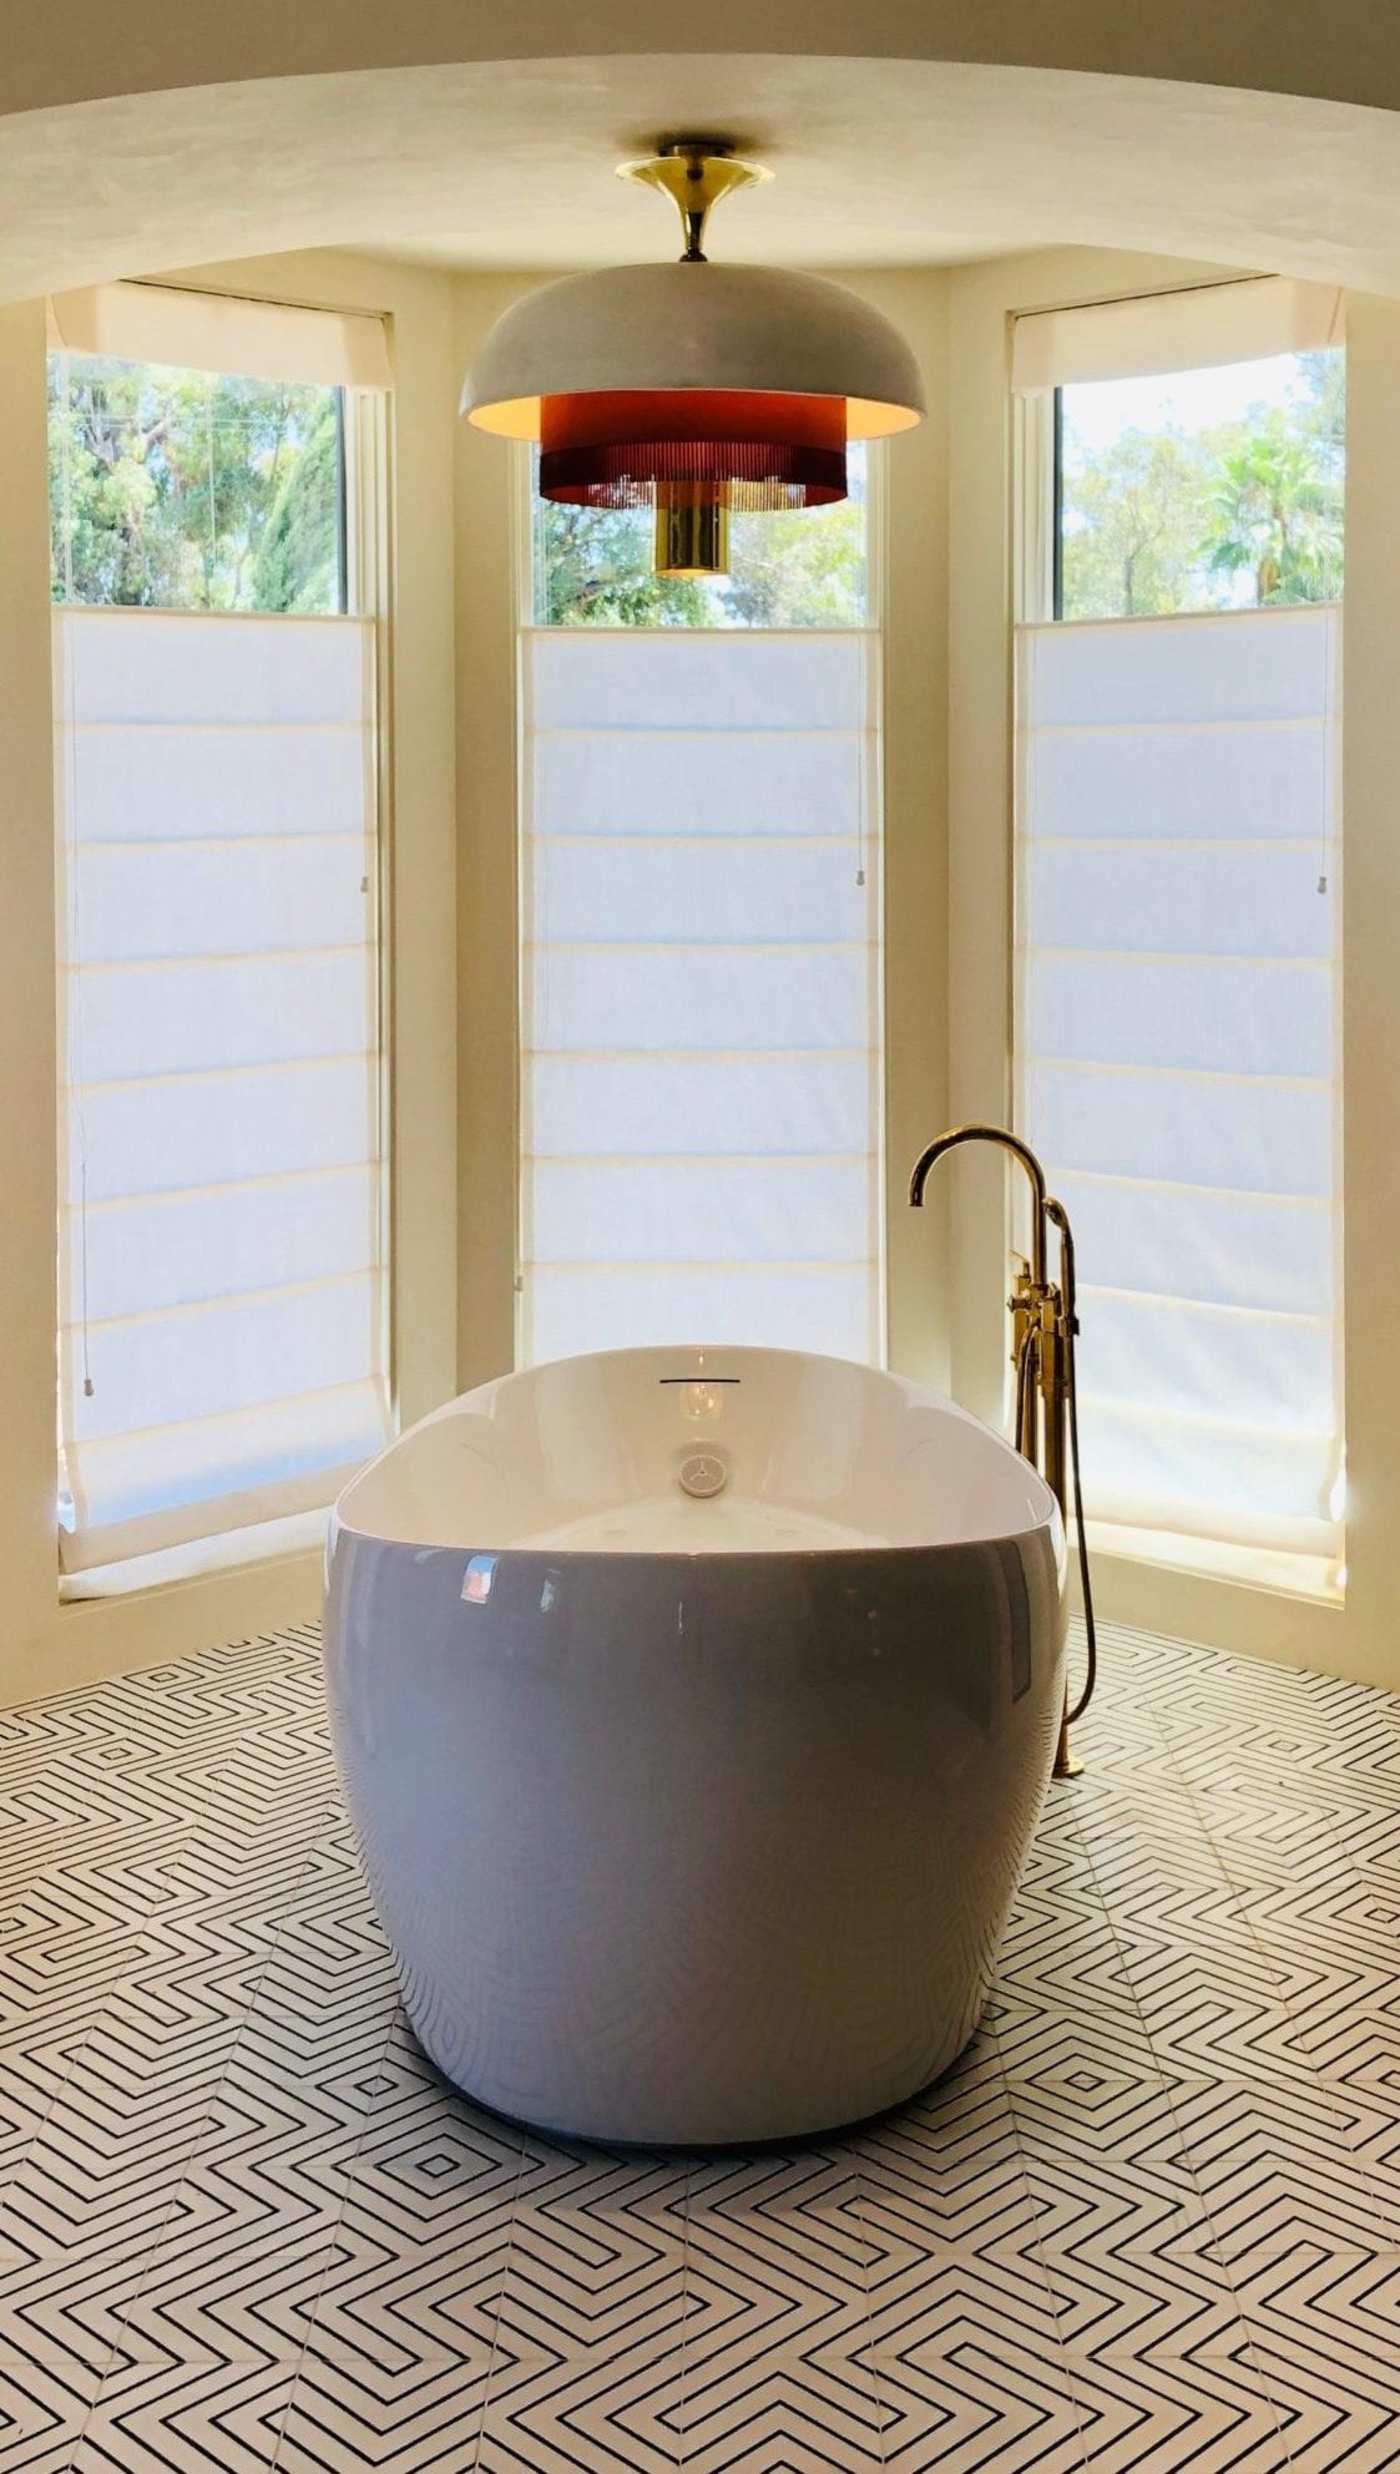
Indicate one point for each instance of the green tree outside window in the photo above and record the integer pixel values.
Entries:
(177, 489)
(1243, 513)
(804, 567)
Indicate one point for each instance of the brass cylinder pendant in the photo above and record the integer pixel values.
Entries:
(692, 533)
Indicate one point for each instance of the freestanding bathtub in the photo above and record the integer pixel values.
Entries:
(695, 1709)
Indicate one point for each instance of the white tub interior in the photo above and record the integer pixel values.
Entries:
(599, 1454)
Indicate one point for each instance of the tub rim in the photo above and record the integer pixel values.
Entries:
(1050, 1518)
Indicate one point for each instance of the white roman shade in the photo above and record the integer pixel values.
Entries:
(701, 990)
(219, 331)
(1178, 1056)
(1201, 328)
(222, 1344)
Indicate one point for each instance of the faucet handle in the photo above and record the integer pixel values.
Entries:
(1020, 1305)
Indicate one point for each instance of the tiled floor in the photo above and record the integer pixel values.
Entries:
(1152, 2222)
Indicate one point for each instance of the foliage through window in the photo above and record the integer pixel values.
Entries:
(804, 568)
(184, 489)
(1210, 489)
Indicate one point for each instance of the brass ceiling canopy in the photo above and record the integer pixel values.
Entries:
(695, 172)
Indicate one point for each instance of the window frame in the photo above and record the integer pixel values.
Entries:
(1035, 505)
(365, 439)
(874, 628)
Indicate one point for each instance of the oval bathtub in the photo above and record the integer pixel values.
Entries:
(695, 1711)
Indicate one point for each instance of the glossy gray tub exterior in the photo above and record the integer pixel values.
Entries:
(695, 1847)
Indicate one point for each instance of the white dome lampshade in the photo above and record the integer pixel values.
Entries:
(693, 388)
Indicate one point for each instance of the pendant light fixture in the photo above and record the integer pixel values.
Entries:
(690, 388)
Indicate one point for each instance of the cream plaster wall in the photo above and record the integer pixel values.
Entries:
(1371, 988)
(914, 556)
(28, 1291)
(44, 1646)
(487, 518)
(913, 568)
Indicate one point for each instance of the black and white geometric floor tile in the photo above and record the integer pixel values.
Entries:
(1150, 2223)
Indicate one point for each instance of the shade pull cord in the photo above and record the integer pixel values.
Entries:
(1091, 1638)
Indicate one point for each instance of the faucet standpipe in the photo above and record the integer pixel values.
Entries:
(1044, 1327)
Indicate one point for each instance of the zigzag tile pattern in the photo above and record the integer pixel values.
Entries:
(1150, 2223)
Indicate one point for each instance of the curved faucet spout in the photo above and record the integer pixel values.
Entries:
(1005, 1142)
(1044, 1325)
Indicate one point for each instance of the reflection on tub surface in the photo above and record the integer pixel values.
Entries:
(693, 1812)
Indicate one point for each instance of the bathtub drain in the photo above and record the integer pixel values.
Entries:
(703, 1473)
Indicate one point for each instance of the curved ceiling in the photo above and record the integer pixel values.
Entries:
(508, 164)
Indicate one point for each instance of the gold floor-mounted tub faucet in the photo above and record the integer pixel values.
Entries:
(1044, 1326)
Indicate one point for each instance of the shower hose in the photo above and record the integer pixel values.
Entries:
(1027, 1375)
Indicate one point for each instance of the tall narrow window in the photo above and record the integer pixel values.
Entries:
(222, 1345)
(701, 920)
(1178, 905)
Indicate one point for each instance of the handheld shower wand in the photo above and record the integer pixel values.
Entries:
(1044, 1327)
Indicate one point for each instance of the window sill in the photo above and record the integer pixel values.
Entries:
(1290, 1575)
(299, 1533)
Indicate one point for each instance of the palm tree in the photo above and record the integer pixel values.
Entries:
(1277, 514)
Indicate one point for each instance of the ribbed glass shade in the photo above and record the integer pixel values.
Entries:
(755, 452)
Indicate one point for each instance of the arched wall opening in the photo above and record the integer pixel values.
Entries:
(505, 164)
(432, 195)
